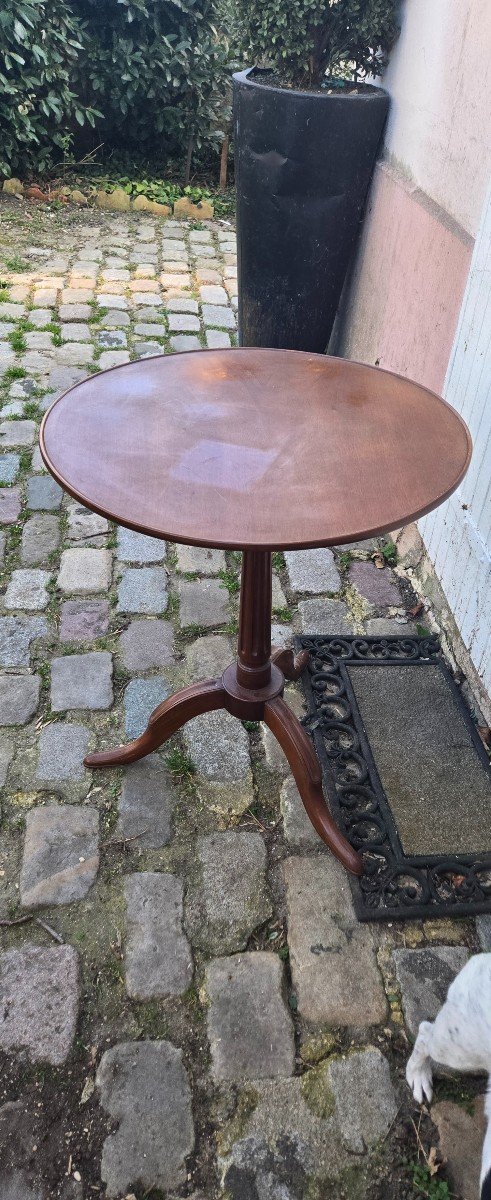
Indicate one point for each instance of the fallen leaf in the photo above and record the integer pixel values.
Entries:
(432, 1164)
(378, 561)
(418, 608)
(88, 1089)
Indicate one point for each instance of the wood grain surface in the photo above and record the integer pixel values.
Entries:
(255, 448)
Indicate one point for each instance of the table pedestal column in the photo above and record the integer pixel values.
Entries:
(251, 689)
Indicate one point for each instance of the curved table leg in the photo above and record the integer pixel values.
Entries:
(307, 774)
(164, 721)
(292, 665)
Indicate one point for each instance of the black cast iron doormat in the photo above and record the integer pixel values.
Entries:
(406, 774)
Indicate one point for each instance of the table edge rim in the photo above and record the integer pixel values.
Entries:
(345, 539)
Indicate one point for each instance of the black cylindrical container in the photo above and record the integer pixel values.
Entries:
(303, 162)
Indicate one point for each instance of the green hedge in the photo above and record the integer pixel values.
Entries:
(303, 40)
(153, 76)
(39, 44)
(149, 73)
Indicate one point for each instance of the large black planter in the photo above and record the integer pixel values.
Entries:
(303, 162)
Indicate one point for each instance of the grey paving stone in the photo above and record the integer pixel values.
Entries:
(84, 620)
(61, 378)
(2, 545)
(74, 312)
(312, 571)
(143, 590)
(74, 354)
(202, 602)
(284, 1149)
(6, 327)
(332, 957)
(144, 1087)
(461, 1136)
(158, 959)
(181, 304)
(62, 749)
(208, 656)
(139, 548)
(140, 698)
(113, 358)
(213, 294)
(84, 525)
(232, 898)
(149, 314)
(39, 989)
(14, 408)
(355, 1080)
(424, 977)
(147, 349)
(183, 323)
(184, 341)
(43, 493)
(112, 339)
(10, 504)
(17, 433)
(324, 616)
(61, 855)
(483, 930)
(146, 645)
(27, 589)
(85, 570)
(217, 339)
(389, 627)
(39, 341)
(378, 587)
(6, 754)
(9, 466)
(12, 309)
(16, 635)
(40, 538)
(19, 698)
(199, 235)
(200, 559)
(115, 320)
(147, 802)
(298, 829)
(15, 1185)
(249, 1026)
(149, 329)
(76, 331)
(281, 636)
(218, 315)
(82, 681)
(274, 755)
(36, 460)
(219, 748)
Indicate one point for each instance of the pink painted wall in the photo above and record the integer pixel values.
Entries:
(402, 304)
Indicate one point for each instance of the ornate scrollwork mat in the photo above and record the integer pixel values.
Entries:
(406, 774)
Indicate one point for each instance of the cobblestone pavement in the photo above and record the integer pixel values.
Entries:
(188, 1004)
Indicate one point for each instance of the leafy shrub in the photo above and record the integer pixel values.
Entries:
(39, 42)
(304, 40)
(155, 69)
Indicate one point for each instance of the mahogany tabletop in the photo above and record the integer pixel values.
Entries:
(254, 448)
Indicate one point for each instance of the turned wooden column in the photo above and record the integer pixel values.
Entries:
(254, 641)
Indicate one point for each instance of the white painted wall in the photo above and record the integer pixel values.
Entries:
(439, 79)
(458, 535)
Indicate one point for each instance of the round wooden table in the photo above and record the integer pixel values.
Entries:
(254, 450)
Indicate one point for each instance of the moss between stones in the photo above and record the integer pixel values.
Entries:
(317, 1091)
(358, 608)
(318, 1047)
(236, 1127)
